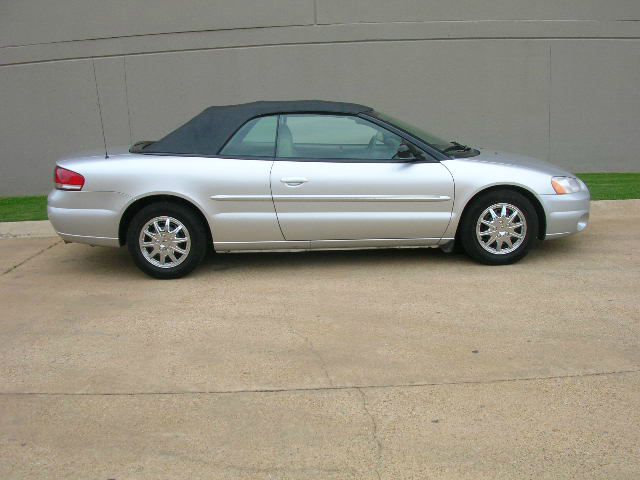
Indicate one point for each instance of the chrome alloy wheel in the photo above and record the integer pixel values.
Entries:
(165, 242)
(501, 228)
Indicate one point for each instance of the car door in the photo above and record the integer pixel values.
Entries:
(239, 188)
(342, 177)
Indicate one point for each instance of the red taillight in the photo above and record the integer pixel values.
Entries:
(68, 180)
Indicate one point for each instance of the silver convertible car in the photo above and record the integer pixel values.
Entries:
(303, 175)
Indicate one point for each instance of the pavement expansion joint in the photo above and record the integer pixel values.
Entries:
(18, 265)
(337, 387)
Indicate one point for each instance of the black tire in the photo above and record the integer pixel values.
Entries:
(196, 232)
(469, 238)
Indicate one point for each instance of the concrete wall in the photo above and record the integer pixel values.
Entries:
(556, 79)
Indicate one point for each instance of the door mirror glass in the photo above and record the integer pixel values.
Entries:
(404, 152)
(409, 152)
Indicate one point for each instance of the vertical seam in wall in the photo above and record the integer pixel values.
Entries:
(549, 109)
(126, 96)
(315, 12)
(95, 79)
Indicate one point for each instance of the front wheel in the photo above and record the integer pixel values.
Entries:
(166, 240)
(499, 227)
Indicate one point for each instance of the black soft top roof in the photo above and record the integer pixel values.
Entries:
(208, 132)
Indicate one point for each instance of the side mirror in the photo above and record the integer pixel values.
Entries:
(404, 152)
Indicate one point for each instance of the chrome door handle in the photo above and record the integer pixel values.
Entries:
(294, 181)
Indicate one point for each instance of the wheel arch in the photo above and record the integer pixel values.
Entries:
(528, 194)
(138, 204)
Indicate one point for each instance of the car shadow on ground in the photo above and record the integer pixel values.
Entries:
(326, 258)
(401, 257)
(108, 260)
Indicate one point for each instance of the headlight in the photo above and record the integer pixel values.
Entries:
(564, 185)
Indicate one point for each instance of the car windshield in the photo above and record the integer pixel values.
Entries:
(433, 140)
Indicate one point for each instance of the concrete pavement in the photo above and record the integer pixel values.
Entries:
(373, 364)
(41, 229)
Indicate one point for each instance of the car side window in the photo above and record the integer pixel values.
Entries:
(256, 138)
(308, 136)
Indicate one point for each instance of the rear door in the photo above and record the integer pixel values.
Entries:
(342, 177)
(239, 187)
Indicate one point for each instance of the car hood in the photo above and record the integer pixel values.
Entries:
(488, 155)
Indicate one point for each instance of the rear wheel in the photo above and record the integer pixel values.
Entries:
(499, 227)
(166, 240)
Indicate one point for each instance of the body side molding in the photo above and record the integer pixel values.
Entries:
(333, 198)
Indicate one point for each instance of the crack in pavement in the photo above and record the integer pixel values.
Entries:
(321, 389)
(18, 265)
(374, 432)
(313, 350)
